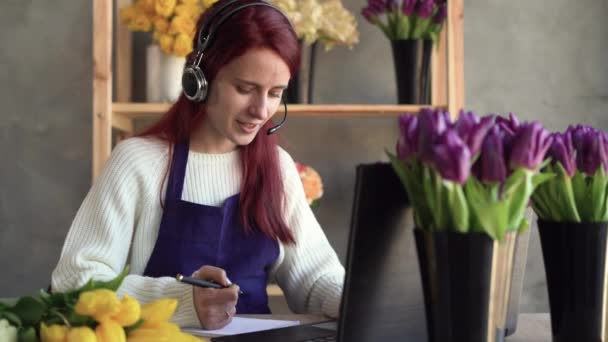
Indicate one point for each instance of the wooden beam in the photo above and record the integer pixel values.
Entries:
(102, 83)
(122, 123)
(439, 71)
(124, 52)
(455, 32)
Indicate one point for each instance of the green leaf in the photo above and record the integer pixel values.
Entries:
(579, 186)
(598, 195)
(12, 318)
(517, 191)
(458, 207)
(489, 215)
(29, 310)
(523, 226)
(27, 335)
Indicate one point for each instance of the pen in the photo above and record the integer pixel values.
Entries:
(200, 282)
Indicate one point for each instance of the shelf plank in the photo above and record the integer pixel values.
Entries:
(152, 110)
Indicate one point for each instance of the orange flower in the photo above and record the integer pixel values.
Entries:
(311, 180)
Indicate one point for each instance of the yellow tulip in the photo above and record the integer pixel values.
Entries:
(165, 42)
(164, 7)
(155, 331)
(190, 2)
(181, 337)
(99, 304)
(53, 333)
(129, 313)
(110, 331)
(183, 45)
(81, 334)
(147, 6)
(160, 310)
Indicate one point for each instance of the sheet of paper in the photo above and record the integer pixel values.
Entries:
(241, 325)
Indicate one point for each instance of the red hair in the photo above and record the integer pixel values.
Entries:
(262, 196)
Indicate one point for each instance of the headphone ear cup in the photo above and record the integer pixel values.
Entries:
(194, 83)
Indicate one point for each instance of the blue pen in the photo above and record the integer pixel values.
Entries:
(200, 282)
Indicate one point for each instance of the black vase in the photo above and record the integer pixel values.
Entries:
(301, 85)
(574, 255)
(412, 59)
(456, 272)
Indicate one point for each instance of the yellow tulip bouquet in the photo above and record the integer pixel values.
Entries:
(92, 313)
(172, 22)
(312, 183)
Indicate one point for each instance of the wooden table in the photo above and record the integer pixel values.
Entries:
(530, 327)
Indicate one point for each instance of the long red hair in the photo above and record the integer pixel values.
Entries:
(262, 196)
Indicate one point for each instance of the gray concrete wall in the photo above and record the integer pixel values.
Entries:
(541, 59)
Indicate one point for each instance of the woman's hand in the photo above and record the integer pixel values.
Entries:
(215, 307)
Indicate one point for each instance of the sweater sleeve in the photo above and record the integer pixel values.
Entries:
(310, 273)
(99, 240)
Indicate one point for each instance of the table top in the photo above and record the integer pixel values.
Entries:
(531, 327)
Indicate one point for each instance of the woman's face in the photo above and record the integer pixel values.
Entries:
(244, 95)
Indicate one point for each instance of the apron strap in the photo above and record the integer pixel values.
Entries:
(175, 185)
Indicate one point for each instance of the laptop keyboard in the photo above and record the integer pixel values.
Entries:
(323, 339)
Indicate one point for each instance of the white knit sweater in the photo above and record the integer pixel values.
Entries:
(119, 220)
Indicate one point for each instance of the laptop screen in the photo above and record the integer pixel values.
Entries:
(383, 299)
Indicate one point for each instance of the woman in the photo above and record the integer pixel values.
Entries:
(207, 191)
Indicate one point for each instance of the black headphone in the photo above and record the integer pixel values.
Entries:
(194, 83)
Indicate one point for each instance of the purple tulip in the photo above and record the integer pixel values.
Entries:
(473, 130)
(441, 14)
(425, 8)
(590, 146)
(369, 15)
(530, 144)
(392, 5)
(562, 151)
(491, 166)
(377, 6)
(408, 137)
(452, 157)
(510, 125)
(408, 7)
(431, 124)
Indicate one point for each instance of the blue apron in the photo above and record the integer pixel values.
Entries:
(193, 235)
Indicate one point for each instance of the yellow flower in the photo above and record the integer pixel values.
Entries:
(127, 14)
(189, 11)
(165, 7)
(110, 331)
(155, 331)
(208, 3)
(183, 45)
(190, 2)
(146, 6)
(158, 311)
(53, 333)
(140, 22)
(165, 42)
(129, 313)
(99, 304)
(81, 334)
(182, 24)
(161, 25)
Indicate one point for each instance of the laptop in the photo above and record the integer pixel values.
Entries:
(382, 298)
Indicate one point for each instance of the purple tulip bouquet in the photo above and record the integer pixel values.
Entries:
(472, 175)
(407, 19)
(573, 226)
(579, 159)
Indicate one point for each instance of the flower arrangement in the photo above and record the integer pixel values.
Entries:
(407, 19)
(172, 22)
(472, 175)
(89, 314)
(578, 192)
(313, 185)
(326, 21)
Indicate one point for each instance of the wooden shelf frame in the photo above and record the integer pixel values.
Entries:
(120, 114)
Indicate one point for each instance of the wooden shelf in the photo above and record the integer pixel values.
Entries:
(123, 113)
